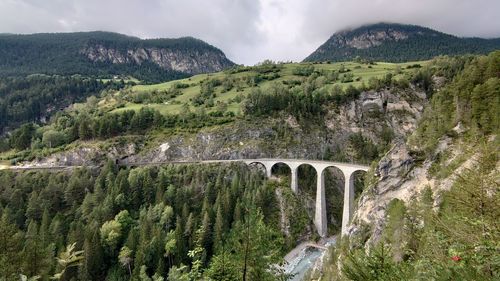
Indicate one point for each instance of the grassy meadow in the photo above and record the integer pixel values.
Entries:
(244, 79)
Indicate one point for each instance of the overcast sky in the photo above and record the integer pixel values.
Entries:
(248, 31)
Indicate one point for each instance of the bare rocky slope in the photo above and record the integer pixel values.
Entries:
(403, 175)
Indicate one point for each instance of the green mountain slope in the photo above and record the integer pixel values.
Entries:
(35, 98)
(108, 54)
(397, 43)
(226, 90)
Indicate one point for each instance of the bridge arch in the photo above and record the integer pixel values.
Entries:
(358, 178)
(261, 165)
(277, 166)
(334, 180)
(349, 195)
(300, 173)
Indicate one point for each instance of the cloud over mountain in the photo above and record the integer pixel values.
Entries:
(247, 30)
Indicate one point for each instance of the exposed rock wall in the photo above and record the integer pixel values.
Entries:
(401, 175)
(370, 114)
(368, 39)
(186, 61)
(398, 110)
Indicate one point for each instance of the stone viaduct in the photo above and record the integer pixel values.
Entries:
(348, 170)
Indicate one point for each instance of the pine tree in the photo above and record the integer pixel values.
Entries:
(219, 228)
(170, 246)
(189, 229)
(180, 254)
(470, 216)
(237, 211)
(94, 259)
(44, 227)
(125, 257)
(36, 256)
(204, 234)
(142, 254)
(10, 247)
(256, 247)
(34, 210)
(56, 231)
(148, 188)
(223, 267)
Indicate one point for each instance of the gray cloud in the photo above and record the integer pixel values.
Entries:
(248, 31)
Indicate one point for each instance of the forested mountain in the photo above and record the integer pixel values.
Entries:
(397, 43)
(106, 54)
(183, 222)
(37, 97)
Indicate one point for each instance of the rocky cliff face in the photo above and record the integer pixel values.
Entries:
(367, 39)
(403, 174)
(372, 114)
(186, 61)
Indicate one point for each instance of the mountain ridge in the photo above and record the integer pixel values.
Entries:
(107, 54)
(396, 42)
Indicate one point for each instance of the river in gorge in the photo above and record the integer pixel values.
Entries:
(304, 256)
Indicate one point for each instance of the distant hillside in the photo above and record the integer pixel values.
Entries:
(397, 43)
(108, 54)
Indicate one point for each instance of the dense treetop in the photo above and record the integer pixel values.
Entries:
(183, 222)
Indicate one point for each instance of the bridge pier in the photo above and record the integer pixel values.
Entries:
(269, 168)
(348, 200)
(320, 212)
(294, 181)
(295, 178)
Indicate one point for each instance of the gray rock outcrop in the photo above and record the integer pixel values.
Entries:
(186, 61)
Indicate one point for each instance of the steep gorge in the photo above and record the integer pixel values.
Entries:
(433, 198)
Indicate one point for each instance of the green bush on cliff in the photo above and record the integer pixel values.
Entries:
(472, 100)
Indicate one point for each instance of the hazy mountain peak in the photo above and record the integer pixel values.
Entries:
(397, 42)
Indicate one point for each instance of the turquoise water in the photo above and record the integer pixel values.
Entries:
(306, 261)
